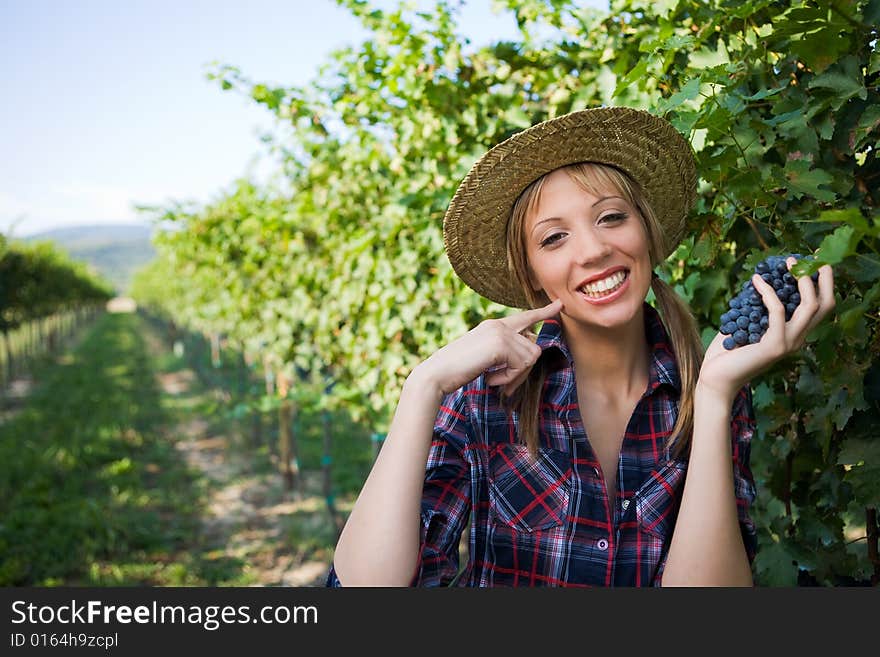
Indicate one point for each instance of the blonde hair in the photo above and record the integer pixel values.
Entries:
(596, 178)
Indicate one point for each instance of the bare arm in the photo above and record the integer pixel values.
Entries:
(380, 542)
(707, 547)
(379, 545)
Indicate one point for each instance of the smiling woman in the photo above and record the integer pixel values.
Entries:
(605, 451)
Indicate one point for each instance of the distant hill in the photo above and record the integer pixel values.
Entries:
(116, 251)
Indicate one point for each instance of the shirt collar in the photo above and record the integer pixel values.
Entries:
(662, 368)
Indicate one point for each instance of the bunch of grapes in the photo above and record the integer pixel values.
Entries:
(747, 319)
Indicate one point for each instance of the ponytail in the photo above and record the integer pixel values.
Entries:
(527, 402)
(688, 350)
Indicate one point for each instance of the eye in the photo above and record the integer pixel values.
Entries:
(550, 240)
(613, 217)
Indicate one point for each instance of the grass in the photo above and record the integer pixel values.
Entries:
(95, 490)
(86, 474)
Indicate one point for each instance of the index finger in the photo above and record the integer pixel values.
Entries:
(527, 318)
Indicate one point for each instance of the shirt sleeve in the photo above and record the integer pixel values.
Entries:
(446, 498)
(742, 429)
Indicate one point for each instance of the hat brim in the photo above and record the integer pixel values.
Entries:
(649, 149)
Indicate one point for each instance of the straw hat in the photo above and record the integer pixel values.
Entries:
(644, 146)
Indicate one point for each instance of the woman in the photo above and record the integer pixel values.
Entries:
(607, 451)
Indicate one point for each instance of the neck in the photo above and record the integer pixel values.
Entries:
(610, 362)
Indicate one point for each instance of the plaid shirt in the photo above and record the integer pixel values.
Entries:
(549, 522)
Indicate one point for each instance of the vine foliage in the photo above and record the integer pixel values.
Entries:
(338, 272)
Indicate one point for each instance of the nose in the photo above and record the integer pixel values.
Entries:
(591, 247)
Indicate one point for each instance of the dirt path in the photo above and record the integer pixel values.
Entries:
(250, 517)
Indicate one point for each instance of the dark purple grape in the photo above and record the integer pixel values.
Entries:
(747, 319)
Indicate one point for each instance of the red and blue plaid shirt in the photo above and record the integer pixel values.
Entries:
(549, 522)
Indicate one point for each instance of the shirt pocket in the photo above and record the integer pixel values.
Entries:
(529, 494)
(657, 500)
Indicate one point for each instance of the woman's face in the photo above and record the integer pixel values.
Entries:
(590, 251)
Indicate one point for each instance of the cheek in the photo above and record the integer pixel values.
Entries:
(546, 275)
(537, 279)
(533, 280)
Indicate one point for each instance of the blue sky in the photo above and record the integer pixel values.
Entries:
(105, 104)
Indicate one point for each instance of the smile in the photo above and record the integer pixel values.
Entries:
(605, 287)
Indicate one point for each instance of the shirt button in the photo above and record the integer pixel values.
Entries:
(595, 471)
(625, 504)
(602, 544)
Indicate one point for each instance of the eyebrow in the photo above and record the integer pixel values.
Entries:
(604, 198)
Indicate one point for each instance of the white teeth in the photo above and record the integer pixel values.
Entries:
(605, 285)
